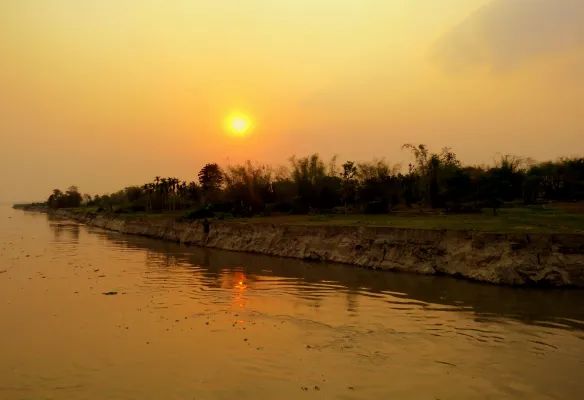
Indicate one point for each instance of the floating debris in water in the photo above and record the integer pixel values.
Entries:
(445, 363)
(110, 293)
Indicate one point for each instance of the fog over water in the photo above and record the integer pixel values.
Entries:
(197, 323)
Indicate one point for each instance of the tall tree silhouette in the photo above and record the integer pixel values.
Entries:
(211, 180)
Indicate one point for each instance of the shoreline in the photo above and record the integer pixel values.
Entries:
(516, 259)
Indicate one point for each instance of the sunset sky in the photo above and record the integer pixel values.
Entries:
(108, 93)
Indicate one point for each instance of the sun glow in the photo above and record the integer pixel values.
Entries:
(238, 124)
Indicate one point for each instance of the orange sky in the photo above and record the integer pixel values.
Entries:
(111, 93)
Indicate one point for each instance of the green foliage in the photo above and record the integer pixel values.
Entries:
(434, 180)
(349, 183)
(71, 198)
(378, 186)
(163, 194)
(316, 188)
(248, 187)
(211, 179)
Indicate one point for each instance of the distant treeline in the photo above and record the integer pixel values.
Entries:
(309, 184)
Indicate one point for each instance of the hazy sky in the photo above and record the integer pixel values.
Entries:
(108, 93)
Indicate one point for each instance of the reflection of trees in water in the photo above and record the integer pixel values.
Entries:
(164, 259)
(216, 267)
(352, 300)
(63, 230)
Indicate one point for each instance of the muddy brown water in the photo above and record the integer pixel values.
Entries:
(187, 323)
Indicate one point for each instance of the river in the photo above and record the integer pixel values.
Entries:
(90, 314)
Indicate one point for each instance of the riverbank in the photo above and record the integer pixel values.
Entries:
(521, 259)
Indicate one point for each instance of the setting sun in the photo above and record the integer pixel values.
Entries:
(238, 124)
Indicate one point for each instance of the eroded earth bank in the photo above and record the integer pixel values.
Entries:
(500, 258)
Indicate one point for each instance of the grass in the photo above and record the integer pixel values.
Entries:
(133, 215)
(561, 218)
(508, 220)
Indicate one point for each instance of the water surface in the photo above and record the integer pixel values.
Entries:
(190, 323)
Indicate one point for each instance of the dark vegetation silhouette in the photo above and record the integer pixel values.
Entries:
(432, 181)
(70, 198)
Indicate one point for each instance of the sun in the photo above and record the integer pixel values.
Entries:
(238, 124)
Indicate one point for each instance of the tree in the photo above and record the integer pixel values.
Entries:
(315, 188)
(71, 198)
(349, 183)
(435, 179)
(432, 171)
(378, 188)
(248, 187)
(55, 198)
(211, 181)
(506, 178)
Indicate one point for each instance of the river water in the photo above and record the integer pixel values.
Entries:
(190, 323)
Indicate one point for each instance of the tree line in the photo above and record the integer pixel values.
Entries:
(434, 180)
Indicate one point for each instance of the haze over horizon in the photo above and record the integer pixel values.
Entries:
(112, 93)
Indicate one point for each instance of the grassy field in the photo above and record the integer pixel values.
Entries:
(536, 219)
(566, 218)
